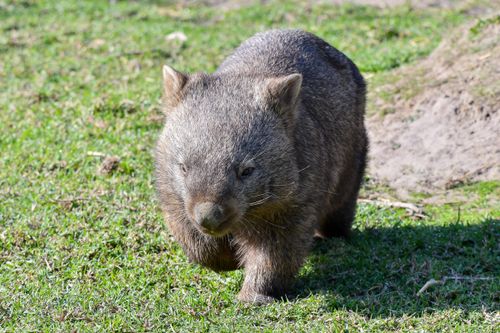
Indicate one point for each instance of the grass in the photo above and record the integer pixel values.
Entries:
(86, 251)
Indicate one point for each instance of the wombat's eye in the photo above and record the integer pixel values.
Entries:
(183, 169)
(247, 172)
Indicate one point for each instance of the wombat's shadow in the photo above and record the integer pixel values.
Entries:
(378, 272)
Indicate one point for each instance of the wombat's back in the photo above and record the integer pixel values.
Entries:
(282, 52)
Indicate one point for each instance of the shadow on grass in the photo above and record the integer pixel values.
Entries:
(378, 272)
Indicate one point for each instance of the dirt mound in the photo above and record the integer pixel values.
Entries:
(442, 122)
(415, 3)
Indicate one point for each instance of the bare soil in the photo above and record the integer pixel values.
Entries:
(439, 124)
(415, 3)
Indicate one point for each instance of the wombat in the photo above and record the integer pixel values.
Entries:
(260, 156)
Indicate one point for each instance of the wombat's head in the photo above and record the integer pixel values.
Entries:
(225, 156)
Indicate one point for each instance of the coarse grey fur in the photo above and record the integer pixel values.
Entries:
(258, 157)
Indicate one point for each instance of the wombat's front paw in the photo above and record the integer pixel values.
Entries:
(255, 298)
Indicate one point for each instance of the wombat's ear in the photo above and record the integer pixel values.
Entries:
(283, 92)
(173, 83)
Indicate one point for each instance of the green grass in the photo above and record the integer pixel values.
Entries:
(86, 251)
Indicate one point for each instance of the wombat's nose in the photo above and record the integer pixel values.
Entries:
(209, 215)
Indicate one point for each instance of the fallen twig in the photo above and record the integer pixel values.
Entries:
(429, 284)
(49, 267)
(410, 208)
(433, 282)
(96, 154)
(70, 200)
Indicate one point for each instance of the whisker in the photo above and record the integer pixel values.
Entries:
(288, 184)
(249, 223)
(261, 152)
(307, 167)
(261, 201)
(268, 222)
(261, 194)
(304, 186)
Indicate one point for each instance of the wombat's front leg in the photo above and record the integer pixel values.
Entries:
(271, 263)
(215, 253)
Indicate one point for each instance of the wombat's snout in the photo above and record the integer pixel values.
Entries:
(212, 217)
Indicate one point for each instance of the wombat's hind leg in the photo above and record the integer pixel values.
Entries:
(338, 223)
